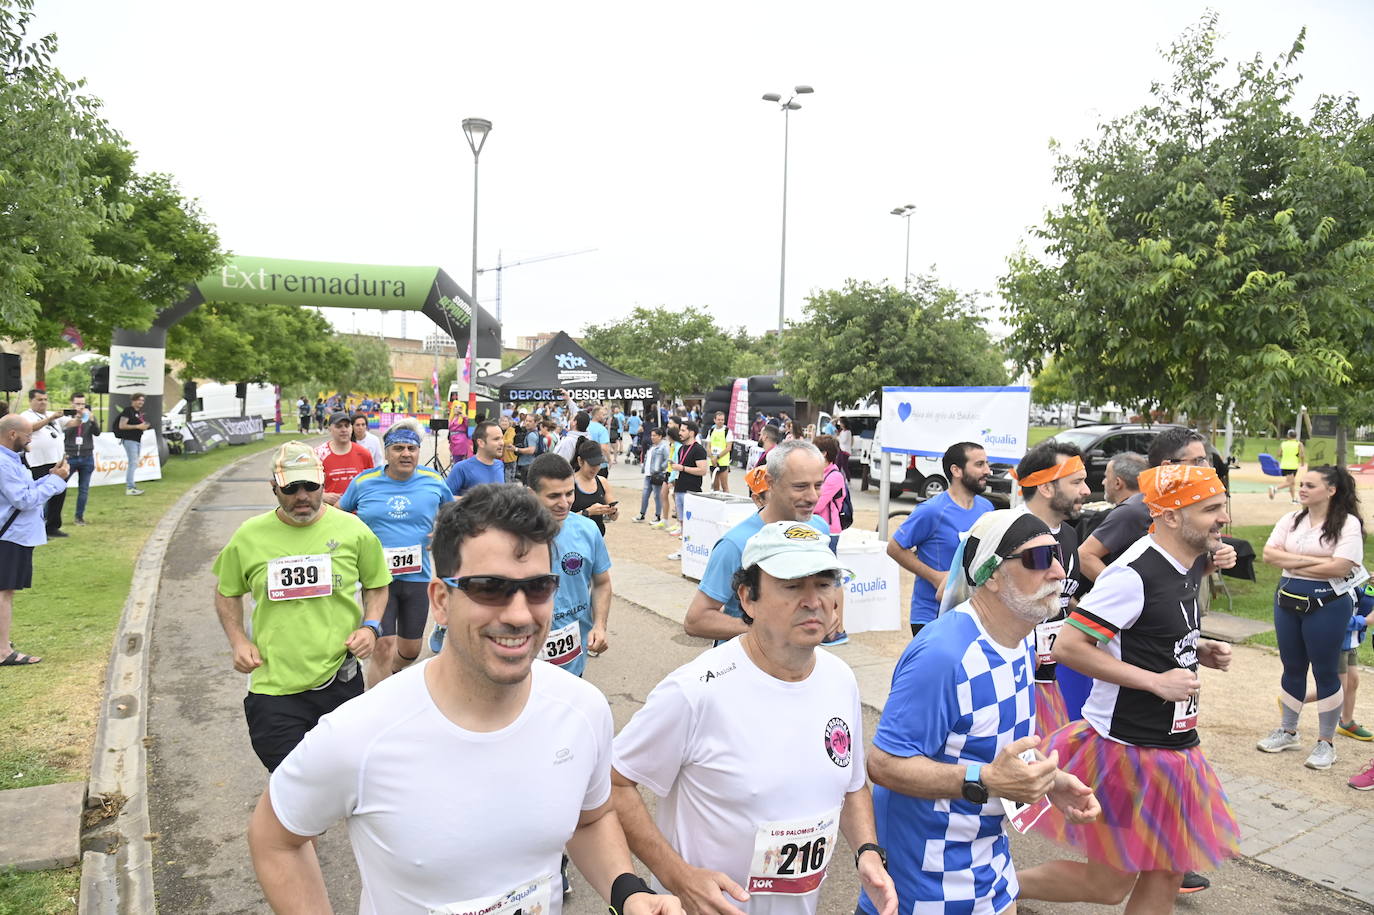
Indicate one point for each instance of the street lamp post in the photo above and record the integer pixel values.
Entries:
(787, 108)
(905, 212)
(476, 130)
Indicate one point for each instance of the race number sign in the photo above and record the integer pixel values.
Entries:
(528, 899)
(296, 577)
(563, 645)
(1023, 816)
(403, 560)
(1045, 635)
(1185, 715)
(790, 856)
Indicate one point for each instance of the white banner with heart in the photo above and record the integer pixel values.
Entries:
(926, 421)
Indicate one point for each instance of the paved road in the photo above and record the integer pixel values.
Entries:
(204, 778)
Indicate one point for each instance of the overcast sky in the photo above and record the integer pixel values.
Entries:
(330, 131)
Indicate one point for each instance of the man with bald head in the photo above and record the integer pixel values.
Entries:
(21, 524)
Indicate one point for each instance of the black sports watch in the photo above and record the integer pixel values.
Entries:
(974, 791)
(375, 626)
(870, 846)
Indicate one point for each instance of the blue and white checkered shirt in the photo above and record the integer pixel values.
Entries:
(957, 697)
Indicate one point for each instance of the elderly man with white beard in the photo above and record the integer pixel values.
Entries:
(955, 750)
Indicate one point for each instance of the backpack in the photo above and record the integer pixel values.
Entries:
(846, 502)
(541, 444)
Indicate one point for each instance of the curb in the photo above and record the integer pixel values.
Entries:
(117, 864)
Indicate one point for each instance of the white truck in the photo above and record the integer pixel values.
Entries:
(220, 401)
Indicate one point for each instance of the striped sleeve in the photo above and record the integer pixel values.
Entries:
(1112, 605)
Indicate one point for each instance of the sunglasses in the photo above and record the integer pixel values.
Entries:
(494, 590)
(1039, 558)
(291, 489)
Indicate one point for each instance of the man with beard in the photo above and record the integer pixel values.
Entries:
(1137, 634)
(925, 543)
(794, 471)
(302, 563)
(956, 739)
(1054, 484)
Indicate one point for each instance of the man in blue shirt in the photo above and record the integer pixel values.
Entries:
(632, 426)
(932, 530)
(527, 444)
(485, 465)
(583, 567)
(795, 470)
(21, 523)
(398, 501)
(599, 433)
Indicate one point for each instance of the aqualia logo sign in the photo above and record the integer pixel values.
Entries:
(859, 587)
(1000, 438)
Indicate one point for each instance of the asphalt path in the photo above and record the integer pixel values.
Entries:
(205, 779)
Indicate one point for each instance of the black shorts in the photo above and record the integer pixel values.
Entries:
(1290, 473)
(407, 609)
(16, 566)
(277, 723)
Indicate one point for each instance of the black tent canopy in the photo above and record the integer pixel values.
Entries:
(561, 365)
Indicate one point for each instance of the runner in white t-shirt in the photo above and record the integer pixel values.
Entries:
(462, 779)
(756, 750)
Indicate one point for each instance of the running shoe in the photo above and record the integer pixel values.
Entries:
(135, 491)
(1279, 741)
(1355, 731)
(639, 520)
(660, 523)
(1364, 779)
(1323, 755)
(675, 555)
(1193, 882)
(1273, 490)
(436, 639)
(836, 638)
(675, 530)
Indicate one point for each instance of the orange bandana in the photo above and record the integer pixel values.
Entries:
(1058, 472)
(1174, 486)
(757, 480)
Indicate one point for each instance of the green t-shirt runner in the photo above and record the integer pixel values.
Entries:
(312, 573)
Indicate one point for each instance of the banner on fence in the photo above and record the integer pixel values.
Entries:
(926, 421)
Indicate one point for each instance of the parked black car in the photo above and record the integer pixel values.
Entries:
(1100, 442)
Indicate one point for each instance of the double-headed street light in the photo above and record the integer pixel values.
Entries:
(905, 212)
(476, 130)
(787, 108)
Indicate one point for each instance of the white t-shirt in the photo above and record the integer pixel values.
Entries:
(439, 815)
(46, 445)
(1306, 540)
(374, 447)
(730, 748)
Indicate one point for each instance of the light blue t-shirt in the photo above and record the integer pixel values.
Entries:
(598, 433)
(531, 440)
(933, 530)
(471, 472)
(399, 512)
(634, 423)
(728, 555)
(579, 556)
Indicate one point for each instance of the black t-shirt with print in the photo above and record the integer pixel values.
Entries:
(690, 456)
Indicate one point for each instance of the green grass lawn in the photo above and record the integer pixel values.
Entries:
(48, 712)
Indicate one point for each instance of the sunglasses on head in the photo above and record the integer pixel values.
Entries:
(292, 488)
(1039, 558)
(497, 589)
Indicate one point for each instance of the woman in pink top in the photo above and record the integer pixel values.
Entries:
(1316, 547)
(827, 509)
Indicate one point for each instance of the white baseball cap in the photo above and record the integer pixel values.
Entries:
(791, 549)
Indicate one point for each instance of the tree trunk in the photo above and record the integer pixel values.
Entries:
(40, 367)
(1340, 441)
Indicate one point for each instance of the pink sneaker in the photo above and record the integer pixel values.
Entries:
(1364, 779)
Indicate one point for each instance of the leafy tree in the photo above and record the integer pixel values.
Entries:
(1052, 386)
(68, 377)
(1215, 248)
(367, 370)
(49, 201)
(855, 340)
(278, 344)
(160, 242)
(683, 350)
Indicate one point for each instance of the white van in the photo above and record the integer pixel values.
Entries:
(220, 401)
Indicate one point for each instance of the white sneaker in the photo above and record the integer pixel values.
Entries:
(1279, 741)
(1272, 491)
(675, 554)
(133, 492)
(1323, 755)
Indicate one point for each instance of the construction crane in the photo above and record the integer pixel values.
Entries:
(501, 268)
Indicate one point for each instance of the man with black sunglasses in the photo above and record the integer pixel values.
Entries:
(956, 750)
(302, 563)
(463, 777)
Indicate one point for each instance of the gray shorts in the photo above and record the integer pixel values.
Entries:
(1348, 659)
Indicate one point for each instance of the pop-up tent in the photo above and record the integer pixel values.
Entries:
(561, 365)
